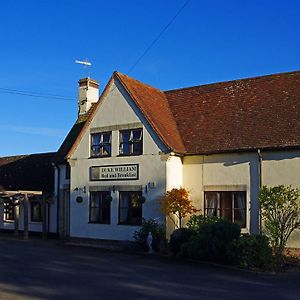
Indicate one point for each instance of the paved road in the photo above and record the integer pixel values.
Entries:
(49, 270)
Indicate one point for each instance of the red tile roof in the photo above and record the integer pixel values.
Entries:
(239, 115)
(154, 105)
(260, 112)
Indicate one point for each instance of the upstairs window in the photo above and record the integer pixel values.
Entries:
(131, 142)
(230, 206)
(101, 144)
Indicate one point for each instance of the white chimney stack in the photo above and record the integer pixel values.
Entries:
(88, 93)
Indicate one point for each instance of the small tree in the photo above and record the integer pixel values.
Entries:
(176, 202)
(280, 211)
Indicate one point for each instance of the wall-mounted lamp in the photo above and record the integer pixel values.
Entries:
(151, 185)
(79, 190)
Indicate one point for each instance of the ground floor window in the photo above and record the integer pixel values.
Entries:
(228, 205)
(9, 213)
(130, 208)
(35, 211)
(100, 203)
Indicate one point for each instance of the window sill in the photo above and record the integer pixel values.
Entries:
(126, 155)
(9, 221)
(102, 156)
(98, 223)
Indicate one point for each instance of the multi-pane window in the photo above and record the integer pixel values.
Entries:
(9, 213)
(131, 142)
(130, 208)
(100, 207)
(101, 144)
(228, 205)
(35, 211)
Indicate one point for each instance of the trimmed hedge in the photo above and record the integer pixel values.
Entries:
(211, 242)
(178, 238)
(251, 251)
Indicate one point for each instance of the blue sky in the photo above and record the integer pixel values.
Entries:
(209, 41)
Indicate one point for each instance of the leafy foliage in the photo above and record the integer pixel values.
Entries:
(158, 233)
(197, 221)
(178, 238)
(211, 241)
(176, 202)
(251, 251)
(280, 211)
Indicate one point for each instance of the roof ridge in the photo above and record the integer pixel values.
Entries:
(25, 155)
(234, 80)
(138, 81)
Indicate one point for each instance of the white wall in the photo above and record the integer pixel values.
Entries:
(61, 183)
(282, 168)
(224, 172)
(241, 171)
(116, 109)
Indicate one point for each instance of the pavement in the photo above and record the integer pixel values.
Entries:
(37, 269)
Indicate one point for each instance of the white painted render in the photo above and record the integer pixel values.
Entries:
(163, 171)
(86, 96)
(116, 109)
(221, 172)
(61, 196)
(283, 167)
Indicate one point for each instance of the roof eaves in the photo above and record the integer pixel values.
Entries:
(245, 149)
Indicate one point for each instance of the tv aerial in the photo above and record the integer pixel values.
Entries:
(85, 63)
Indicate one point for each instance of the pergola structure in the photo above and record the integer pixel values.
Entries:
(25, 179)
(18, 198)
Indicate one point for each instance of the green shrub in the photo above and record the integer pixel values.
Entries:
(211, 241)
(251, 251)
(197, 221)
(158, 233)
(178, 238)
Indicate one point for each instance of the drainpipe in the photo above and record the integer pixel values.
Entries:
(260, 185)
(56, 167)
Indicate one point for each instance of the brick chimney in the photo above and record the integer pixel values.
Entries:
(88, 93)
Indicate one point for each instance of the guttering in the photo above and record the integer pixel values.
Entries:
(243, 150)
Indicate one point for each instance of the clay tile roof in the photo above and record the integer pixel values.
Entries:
(32, 172)
(72, 136)
(238, 115)
(260, 112)
(155, 107)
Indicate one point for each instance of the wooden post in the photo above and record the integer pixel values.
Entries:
(16, 215)
(44, 217)
(25, 211)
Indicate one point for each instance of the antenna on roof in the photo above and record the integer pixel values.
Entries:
(85, 63)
